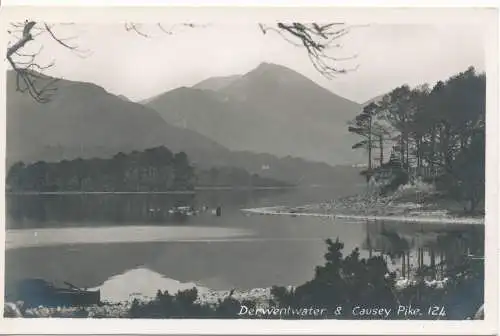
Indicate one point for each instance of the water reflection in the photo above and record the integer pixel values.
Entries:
(231, 251)
(434, 248)
(45, 210)
(33, 211)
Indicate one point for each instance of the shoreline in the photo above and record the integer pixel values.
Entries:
(262, 297)
(121, 308)
(167, 192)
(416, 202)
(394, 218)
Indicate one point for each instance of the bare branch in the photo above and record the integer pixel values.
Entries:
(135, 27)
(316, 39)
(29, 72)
(140, 30)
(58, 40)
(164, 30)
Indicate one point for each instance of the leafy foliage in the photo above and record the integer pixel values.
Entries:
(184, 305)
(438, 130)
(152, 170)
(155, 169)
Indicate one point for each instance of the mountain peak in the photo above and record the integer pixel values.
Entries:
(267, 66)
(244, 113)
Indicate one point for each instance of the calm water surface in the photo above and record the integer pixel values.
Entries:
(129, 243)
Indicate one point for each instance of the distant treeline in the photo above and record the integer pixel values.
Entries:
(152, 170)
(439, 129)
(234, 177)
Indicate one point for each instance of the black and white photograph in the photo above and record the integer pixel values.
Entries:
(287, 169)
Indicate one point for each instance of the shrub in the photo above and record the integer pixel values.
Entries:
(347, 282)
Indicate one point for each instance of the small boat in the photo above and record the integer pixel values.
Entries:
(182, 210)
(38, 292)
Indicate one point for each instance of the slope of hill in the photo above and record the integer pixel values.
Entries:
(216, 83)
(85, 121)
(271, 109)
(299, 171)
(123, 97)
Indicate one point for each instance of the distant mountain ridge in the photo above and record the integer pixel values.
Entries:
(271, 109)
(123, 97)
(85, 121)
(216, 83)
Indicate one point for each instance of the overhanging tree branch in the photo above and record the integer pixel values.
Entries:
(317, 40)
(28, 71)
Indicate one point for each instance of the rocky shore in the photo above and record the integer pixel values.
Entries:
(260, 296)
(107, 309)
(410, 203)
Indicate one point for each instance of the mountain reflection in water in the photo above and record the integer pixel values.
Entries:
(68, 238)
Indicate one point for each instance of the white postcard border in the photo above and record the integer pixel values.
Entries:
(487, 18)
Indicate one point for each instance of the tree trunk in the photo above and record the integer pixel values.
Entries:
(418, 258)
(403, 268)
(447, 154)
(432, 153)
(419, 153)
(402, 150)
(370, 145)
(369, 154)
(433, 258)
(381, 144)
(408, 263)
(407, 144)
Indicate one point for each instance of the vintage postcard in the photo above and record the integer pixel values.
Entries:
(293, 170)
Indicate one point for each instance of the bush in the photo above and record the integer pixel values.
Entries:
(399, 178)
(343, 282)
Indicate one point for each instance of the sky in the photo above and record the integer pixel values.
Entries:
(138, 67)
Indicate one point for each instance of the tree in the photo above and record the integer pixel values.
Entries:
(454, 108)
(468, 183)
(155, 169)
(382, 135)
(397, 108)
(441, 128)
(363, 126)
(14, 176)
(315, 38)
(420, 121)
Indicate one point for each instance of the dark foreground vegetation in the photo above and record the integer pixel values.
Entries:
(340, 289)
(351, 283)
(437, 133)
(152, 170)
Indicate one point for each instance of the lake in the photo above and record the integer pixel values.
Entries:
(129, 243)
